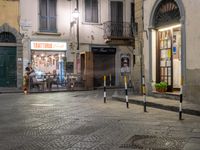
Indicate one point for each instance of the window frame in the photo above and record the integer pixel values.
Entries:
(98, 15)
(48, 29)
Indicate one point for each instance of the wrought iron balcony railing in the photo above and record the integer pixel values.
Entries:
(119, 30)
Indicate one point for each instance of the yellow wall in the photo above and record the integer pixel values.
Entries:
(9, 13)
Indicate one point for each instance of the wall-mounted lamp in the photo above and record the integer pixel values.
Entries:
(75, 13)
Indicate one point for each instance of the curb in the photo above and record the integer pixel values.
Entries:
(41, 92)
(159, 106)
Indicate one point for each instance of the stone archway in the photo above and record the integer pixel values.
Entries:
(153, 25)
(19, 50)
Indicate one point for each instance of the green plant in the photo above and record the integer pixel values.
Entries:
(157, 85)
(161, 87)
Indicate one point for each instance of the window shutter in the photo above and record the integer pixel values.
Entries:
(116, 18)
(52, 15)
(95, 11)
(88, 10)
(116, 11)
(43, 15)
(91, 11)
(120, 11)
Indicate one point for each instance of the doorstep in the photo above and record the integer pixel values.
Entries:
(168, 95)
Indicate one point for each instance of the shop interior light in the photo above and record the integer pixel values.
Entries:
(63, 55)
(42, 55)
(169, 28)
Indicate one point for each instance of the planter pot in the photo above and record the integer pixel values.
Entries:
(161, 90)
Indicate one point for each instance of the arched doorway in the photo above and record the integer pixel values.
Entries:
(167, 46)
(8, 67)
(11, 42)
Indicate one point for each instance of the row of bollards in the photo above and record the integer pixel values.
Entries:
(144, 95)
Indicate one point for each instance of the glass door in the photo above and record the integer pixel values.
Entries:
(165, 58)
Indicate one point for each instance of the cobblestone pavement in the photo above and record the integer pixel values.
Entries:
(81, 121)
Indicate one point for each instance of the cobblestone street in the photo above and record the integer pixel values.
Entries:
(81, 121)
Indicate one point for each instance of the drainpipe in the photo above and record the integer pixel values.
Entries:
(77, 32)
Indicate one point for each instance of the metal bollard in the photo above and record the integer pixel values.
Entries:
(104, 94)
(144, 93)
(25, 87)
(110, 80)
(126, 91)
(180, 105)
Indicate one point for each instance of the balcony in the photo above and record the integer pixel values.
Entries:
(119, 32)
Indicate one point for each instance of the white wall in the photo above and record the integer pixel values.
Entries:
(192, 33)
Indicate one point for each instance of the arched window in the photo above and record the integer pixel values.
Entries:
(7, 37)
(167, 13)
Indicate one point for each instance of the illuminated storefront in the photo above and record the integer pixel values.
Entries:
(49, 58)
(166, 45)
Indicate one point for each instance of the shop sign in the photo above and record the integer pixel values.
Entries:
(38, 45)
(103, 50)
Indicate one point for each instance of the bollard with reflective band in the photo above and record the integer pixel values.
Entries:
(126, 92)
(180, 105)
(110, 80)
(104, 93)
(144, 93)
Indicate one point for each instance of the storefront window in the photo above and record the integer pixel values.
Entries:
(49, 63)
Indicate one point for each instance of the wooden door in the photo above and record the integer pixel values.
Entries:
(165, 60)
(8, 69)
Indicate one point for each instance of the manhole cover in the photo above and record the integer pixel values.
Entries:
(154, 143)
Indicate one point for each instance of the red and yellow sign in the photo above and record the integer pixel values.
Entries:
(38, 45)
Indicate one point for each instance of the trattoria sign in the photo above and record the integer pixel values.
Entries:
(38, 45)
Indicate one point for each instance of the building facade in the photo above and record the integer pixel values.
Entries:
(45, 28)
(11, 52)
(98, 43)
(106, 41)
(171, 47)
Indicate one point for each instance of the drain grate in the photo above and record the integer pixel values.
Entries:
(151, 142)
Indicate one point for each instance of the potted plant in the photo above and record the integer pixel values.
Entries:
(161, 87)
(157, 87)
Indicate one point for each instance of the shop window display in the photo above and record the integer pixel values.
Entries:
(49, 64)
